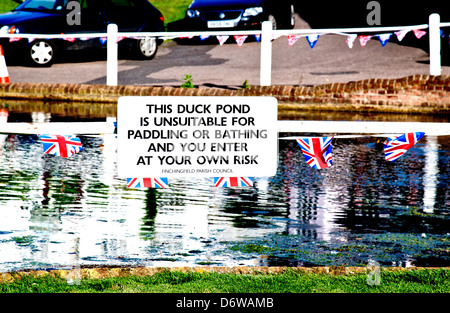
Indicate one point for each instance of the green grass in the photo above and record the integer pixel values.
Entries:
(7, 5)
(172, 10)
(411, 281)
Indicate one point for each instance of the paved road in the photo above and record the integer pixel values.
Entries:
(331, 60)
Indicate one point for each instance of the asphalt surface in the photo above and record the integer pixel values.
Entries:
(212, 65)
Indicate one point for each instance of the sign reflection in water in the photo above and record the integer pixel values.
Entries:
(58, 212)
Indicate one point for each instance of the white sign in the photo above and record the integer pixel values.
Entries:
(197, 136)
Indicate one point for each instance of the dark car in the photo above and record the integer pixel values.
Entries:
(220, 15)
(78, 17)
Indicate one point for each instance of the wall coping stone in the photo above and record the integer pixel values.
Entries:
(416, 93)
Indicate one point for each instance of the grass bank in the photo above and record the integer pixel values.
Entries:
(289, 281)
(172, 10)
(7, 5)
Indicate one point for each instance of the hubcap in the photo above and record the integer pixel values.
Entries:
(273, 21)
(41, 52)
(292, 15)
(147, 46)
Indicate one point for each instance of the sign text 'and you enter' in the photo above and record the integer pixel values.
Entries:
(197, 136)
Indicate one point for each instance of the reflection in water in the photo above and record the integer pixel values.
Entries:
(57, 212)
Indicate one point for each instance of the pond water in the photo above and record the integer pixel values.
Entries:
(64, 213)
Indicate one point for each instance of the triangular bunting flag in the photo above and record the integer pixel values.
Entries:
(363, 40)
(203, 37)
(103, 40)
(71, 39)
(63, 146)
(120, 38)
(233, 181)
(312, 40)
(401, 34)
(396, 147)
(317, 151)
(222, 39)
(275, 36)
(292, 39)
(257, 37)
(384, 38)
(12, 39)
(350, 39)
(419, 33)
(240, 39)
(138, 183)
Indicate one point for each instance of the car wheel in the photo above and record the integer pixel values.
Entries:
(41, 53)
(272, 19)
(292, 17)
(146, 48)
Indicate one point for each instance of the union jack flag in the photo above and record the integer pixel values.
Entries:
(137, 183)
(396, 147)
(233, 181)
(317, 151)
(63, 146)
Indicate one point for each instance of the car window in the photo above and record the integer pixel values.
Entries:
(43, 5)
(92, 7)
(122, 3)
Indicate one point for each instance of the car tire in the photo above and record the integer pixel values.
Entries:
(292, 17)
(272, 19)
(41, 53)
(146, 48)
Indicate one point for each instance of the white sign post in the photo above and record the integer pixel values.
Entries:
(197, 136)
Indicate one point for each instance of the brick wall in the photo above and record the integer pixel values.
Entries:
(418, 93)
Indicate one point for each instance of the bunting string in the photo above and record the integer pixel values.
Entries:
(317, 152)
(240, 39)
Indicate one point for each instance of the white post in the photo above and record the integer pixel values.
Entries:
(112, 55)
(266, 54)
(435, 44)
(431, 172)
